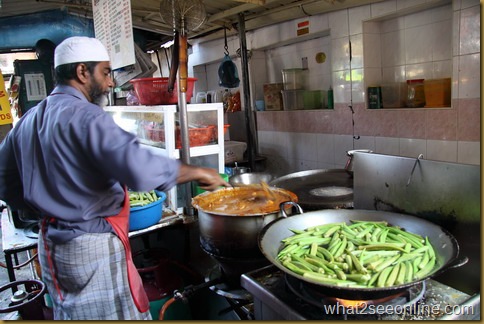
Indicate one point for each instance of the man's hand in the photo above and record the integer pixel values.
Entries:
(210, 180)
(207, 178)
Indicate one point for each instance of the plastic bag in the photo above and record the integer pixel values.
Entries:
(132, 98)
(227, 73)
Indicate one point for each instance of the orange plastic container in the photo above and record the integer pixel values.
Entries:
(197, 136)
(437, 93)
(154, 91)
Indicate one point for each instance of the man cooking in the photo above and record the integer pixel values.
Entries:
(67, 160)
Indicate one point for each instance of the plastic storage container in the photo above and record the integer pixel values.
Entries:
(314, 99)
(234, 151)
(437, 93)
(293, 99)
(294, 79)
(394, 94)
(415, 93)
(154, 91)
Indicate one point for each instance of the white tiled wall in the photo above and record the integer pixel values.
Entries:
(433, 43)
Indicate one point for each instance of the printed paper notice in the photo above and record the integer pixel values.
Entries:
(114, 28)
(35, 86)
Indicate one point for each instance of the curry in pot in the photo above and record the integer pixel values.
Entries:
(243, 201)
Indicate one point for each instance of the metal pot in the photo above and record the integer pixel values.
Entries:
(249, 178)
(445, 245)
(231, 234)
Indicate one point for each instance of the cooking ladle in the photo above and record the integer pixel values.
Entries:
(269, 193)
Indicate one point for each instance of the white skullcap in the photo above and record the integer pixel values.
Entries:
(80, 49)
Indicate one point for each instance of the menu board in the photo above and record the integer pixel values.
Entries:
(113, 26)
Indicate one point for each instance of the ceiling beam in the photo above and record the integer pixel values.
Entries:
(257, 2)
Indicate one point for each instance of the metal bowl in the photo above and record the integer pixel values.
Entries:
(249, 178)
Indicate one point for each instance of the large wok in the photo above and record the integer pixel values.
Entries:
(319, 189)
(445, 245)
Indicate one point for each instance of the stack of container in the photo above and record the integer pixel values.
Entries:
(295, 96)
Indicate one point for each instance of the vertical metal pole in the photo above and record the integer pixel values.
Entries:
(249, 122)
(182, 106)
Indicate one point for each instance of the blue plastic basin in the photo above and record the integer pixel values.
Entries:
(147, 215)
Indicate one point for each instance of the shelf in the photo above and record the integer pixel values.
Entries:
(155, 128)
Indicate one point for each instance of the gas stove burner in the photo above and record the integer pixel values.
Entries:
(309, 294)
(331, 191)
(225, 290)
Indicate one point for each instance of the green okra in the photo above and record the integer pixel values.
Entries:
(356, 263)
(401, 274)
(296, 237)
(311, 239)
(413, 241)
(332, 230)
(329, 257)
(392, 277)
(291, 266)
(388, 262)
(314, 249)
(415, 264)
(430, 248)
(373, 279)
(364, 253)
(425, 270)
(287, 249)
(339, 251)
(409, 273)
(359, 277)
(324, 279)
(382, 278)
(383, 246)
(383, 235)
(425, 260)
(364, 231)
(349, 261)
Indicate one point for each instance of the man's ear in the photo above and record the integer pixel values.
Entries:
(82, 72)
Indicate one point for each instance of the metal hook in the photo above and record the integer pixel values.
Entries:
(420, 156)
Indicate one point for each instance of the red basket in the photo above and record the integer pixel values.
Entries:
(154, 91)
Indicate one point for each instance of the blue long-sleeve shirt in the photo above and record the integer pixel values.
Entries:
(69, 160)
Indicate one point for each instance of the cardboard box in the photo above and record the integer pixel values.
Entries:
(273, 96)
(234, 151)
(437, 93)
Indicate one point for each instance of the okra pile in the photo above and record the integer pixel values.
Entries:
(362, 254)
(141, 198)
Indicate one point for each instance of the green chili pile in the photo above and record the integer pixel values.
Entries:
(363, 254)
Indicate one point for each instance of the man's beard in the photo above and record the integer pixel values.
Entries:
(98, 96)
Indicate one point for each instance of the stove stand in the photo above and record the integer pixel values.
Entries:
(274, 299)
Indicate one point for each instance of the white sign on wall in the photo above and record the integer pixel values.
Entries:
(113, 26)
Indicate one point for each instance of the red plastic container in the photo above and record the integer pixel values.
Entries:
(197, 136)
(154, 91)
